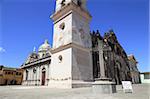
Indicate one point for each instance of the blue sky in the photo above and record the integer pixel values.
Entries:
(26, 23)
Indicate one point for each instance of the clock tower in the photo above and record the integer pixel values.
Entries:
(71, 63)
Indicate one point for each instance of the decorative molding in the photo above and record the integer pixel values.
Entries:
(69, 8)
(37, 62)
(62, 79)
(70, 45)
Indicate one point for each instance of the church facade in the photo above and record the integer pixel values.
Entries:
(73, 60)
(36, 67)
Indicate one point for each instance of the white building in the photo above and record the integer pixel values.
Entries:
(135, 74)
(145, 77)
(36, 68)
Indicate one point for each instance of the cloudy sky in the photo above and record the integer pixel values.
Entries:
(25, 24)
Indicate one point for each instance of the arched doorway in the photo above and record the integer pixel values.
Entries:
(27, 72)
(43, 76)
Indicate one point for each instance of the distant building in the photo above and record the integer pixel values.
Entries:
(10, 76)
(135, 74)
(145, 77)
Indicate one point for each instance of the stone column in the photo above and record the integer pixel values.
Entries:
(38, 73)
(36, 76)
(29, 74)
(32, 76)
(48, 73)
(46, 67)
(24, 77)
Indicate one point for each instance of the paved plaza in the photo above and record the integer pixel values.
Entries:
(24, 92)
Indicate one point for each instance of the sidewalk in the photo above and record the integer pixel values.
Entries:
(140, 91)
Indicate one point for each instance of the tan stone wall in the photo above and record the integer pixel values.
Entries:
(1, 80)
(9, 76)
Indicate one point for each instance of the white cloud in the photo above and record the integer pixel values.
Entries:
(2, 50)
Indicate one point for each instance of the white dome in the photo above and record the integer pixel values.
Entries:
(44, 47)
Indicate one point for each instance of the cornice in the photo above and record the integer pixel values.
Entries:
(70, 8)
(70, 45)
(36, 62)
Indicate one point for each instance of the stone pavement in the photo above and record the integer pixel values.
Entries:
(141, 91)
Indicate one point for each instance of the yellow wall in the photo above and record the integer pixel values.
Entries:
(1, 79)
(9, 75)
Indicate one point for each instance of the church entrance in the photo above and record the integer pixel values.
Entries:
(43, 77)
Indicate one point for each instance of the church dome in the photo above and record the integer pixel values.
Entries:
(44, 47)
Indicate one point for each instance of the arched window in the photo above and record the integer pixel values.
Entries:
(43, 69)
(34, 70)
(43, 55)
(62, 26)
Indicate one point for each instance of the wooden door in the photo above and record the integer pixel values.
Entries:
(43, 78)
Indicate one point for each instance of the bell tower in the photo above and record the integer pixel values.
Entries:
(71, 23)
(71, 63)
